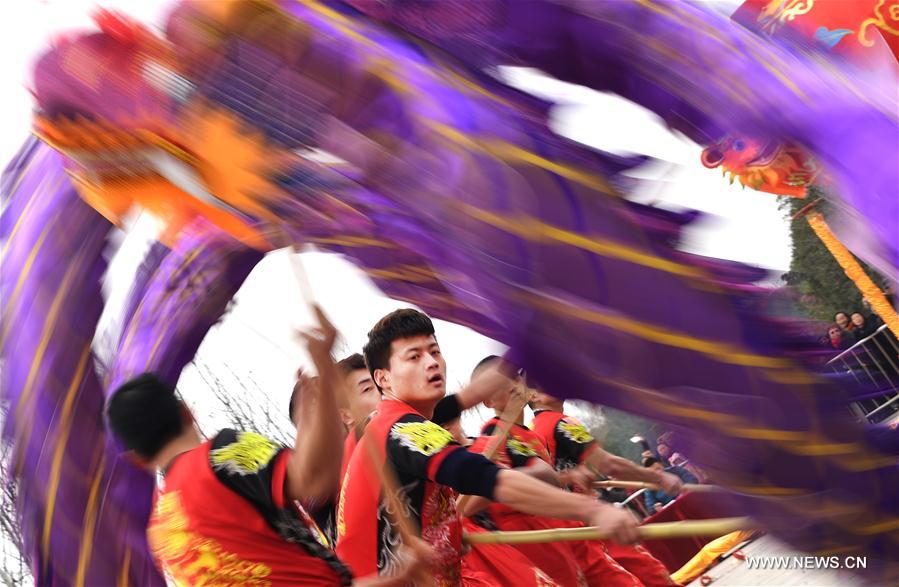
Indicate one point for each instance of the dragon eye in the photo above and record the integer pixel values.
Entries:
(739, 145)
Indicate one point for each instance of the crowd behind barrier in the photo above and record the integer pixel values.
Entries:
(873, 360)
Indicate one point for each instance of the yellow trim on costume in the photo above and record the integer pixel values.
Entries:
(826, 449)
(132, 326)
(21, 177)
(447, 76)
(9, 307)
(767, 434)
(720, 351)
(889, 525)
(407, 273)
(64, 427)
(37, 194)
(352, 242)
(457, 80)
(710, 33)
(518, 447)
(575, 431)
(536, 230)
(90, 520)
(506, 151)
(49, 326)
(770, 490)
(126, 567)
(31, 199)
(249, 453)
(425, 437)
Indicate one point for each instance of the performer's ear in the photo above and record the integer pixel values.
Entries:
(186, 415)
(346, 417)
(382, 378)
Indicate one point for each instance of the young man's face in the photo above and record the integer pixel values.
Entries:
(416, 373)
(363, 395)
(500, 400)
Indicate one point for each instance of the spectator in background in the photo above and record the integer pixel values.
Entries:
(837, 338)
(680, 463)
(656, 499)
(873, 320)
(883, 345)
(679, 470)
(842, 320)
(863, 328)
(665, 448)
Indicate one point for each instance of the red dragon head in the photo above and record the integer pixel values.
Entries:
(770, 166)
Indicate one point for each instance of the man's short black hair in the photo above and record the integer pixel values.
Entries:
(394, 326)
(650, 461)
(483, 363)
(145, 414)
(352, 363)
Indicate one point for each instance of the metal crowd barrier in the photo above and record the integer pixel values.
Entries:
(873, 360)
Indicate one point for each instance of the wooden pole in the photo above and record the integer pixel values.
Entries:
(641, 485)
(299, 272)
(660, 531)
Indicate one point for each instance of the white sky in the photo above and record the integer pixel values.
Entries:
(257, 339)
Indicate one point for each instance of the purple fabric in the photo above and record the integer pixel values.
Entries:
(705, 75)
(61, 398)
(682, 331)
(186, 296)
(93, 505)
(142, 277)
(459, 198)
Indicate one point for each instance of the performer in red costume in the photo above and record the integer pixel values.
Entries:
(568, 563)
(406, 364)
(579, 459)
(237, 506)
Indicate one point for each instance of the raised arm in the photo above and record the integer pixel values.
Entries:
(492, 379)
(313, 472)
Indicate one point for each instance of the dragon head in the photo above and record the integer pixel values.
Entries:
(767, 166)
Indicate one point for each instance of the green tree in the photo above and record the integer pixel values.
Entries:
(823, 286)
